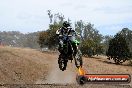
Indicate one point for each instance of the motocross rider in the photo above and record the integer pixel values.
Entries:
(66, 30)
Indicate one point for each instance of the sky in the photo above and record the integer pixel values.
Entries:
(108, 16)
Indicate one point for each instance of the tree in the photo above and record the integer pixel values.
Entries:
(118, 49)
(48, 38)
(52, 38)
(50, 15)
(89, 35)
(105, 43)
(127, 34)
(87, 47)
(79, 27)
(43, 39)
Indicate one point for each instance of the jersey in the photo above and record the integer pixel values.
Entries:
(69, 31)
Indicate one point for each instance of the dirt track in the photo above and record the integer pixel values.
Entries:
(27, 66)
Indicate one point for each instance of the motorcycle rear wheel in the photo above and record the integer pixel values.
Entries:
(62, 63)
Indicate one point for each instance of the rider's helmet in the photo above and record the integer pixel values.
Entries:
(66, 24)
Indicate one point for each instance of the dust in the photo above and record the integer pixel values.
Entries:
(56, 76)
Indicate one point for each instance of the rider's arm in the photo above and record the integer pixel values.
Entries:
(76, 33)
(58, 32)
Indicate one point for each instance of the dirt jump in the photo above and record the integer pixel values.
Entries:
(30, 68)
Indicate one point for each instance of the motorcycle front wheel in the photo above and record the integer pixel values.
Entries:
(78, 59)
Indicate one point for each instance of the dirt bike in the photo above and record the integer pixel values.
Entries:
(68, 53)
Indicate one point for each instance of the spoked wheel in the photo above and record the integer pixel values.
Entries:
(62, 63)
(78, 59)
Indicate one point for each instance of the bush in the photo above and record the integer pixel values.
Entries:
(118, 49)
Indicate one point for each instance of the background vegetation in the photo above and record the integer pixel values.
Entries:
(118, 47)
